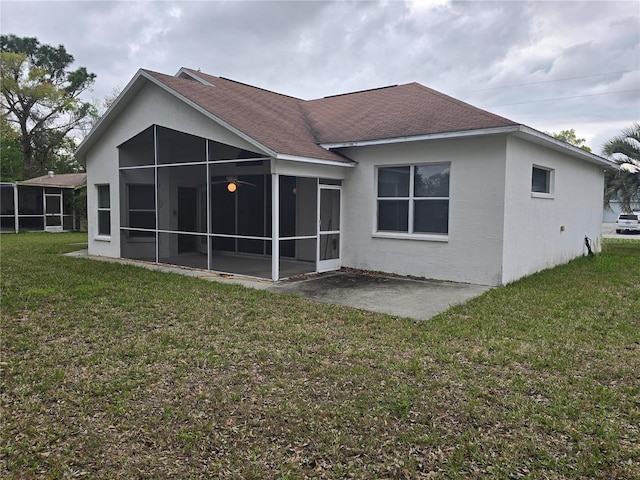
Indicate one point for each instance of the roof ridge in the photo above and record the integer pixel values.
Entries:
(260, 88)
(201, 73)
(451, 99)
(361, 91)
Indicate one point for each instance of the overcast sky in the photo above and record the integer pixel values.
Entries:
(549, 65)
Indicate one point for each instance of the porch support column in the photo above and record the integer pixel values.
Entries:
(44, 209)
(275, 227)
(155, 180)
(209, 208)
(16, 220)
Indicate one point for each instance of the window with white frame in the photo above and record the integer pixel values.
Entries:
(104, 210)
(142, 210)
(541, 180)
(414, 199)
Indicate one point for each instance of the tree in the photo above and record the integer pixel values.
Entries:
(41, 95)
(624, 184)
(570, 137)
(10, 151)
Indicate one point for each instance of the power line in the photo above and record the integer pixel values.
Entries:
(564, 98)
(552, 81)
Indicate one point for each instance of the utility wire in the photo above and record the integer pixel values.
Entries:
(564, 98)
(551, 81)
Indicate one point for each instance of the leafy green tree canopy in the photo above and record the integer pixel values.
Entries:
(10, 151)
(40, 94)
(624, 185)
(570, 137)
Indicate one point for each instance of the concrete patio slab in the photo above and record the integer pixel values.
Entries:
(397, 296)
(393, 295)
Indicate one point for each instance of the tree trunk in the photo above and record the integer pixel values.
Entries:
(29, 170)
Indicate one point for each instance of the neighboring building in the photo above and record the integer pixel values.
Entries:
(202, 171)
(44, 203)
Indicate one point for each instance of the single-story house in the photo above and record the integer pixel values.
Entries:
(45, 203)
(202, 171)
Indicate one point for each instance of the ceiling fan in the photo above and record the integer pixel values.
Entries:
(233, 183)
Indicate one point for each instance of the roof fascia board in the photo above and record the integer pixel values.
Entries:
(132, 87)
(296, 158)
(117, 105)
(51, 185)
(210, 115)
(542, 138)
(418, 138)
(519, 130)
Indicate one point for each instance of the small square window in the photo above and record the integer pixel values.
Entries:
(541, 180)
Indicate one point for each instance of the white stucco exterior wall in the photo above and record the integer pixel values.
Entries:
(472, 251)
(543, 232)
(151, 105)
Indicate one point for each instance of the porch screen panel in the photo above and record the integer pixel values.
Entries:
(250, 265)
(69, 200)
(287, 202)
(179, 205)
(137, 203)
(252, 202)
(297, 256)
(53, 203)
(172, 250)
(7, 207)
(306, 207)
(179, 147)
(220, 151)
(223, 215)
(138, 151)
(30, 201)
(53, 221)
(137, 248)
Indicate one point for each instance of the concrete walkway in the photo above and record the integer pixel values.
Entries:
(397, 296)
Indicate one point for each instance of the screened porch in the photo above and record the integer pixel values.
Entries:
(195, 202)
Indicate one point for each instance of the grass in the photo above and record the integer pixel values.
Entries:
(112, 371)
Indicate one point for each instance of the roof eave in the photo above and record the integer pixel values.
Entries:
(106, 119)
(521, 131)
(318, 161)
(51, 185)
(211, 116)
(419, 138)
(548, 141)
(136, 83)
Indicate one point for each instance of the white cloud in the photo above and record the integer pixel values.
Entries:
(315, 48)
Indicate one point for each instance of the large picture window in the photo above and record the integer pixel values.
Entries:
(414, 199)
(104, 210)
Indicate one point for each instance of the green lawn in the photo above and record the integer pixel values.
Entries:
(112, 371)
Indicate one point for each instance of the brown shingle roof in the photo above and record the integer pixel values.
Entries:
(275, 121)
(292, 126)
(64, 180)
(392, 112)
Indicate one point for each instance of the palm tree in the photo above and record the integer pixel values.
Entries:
(624, 184)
